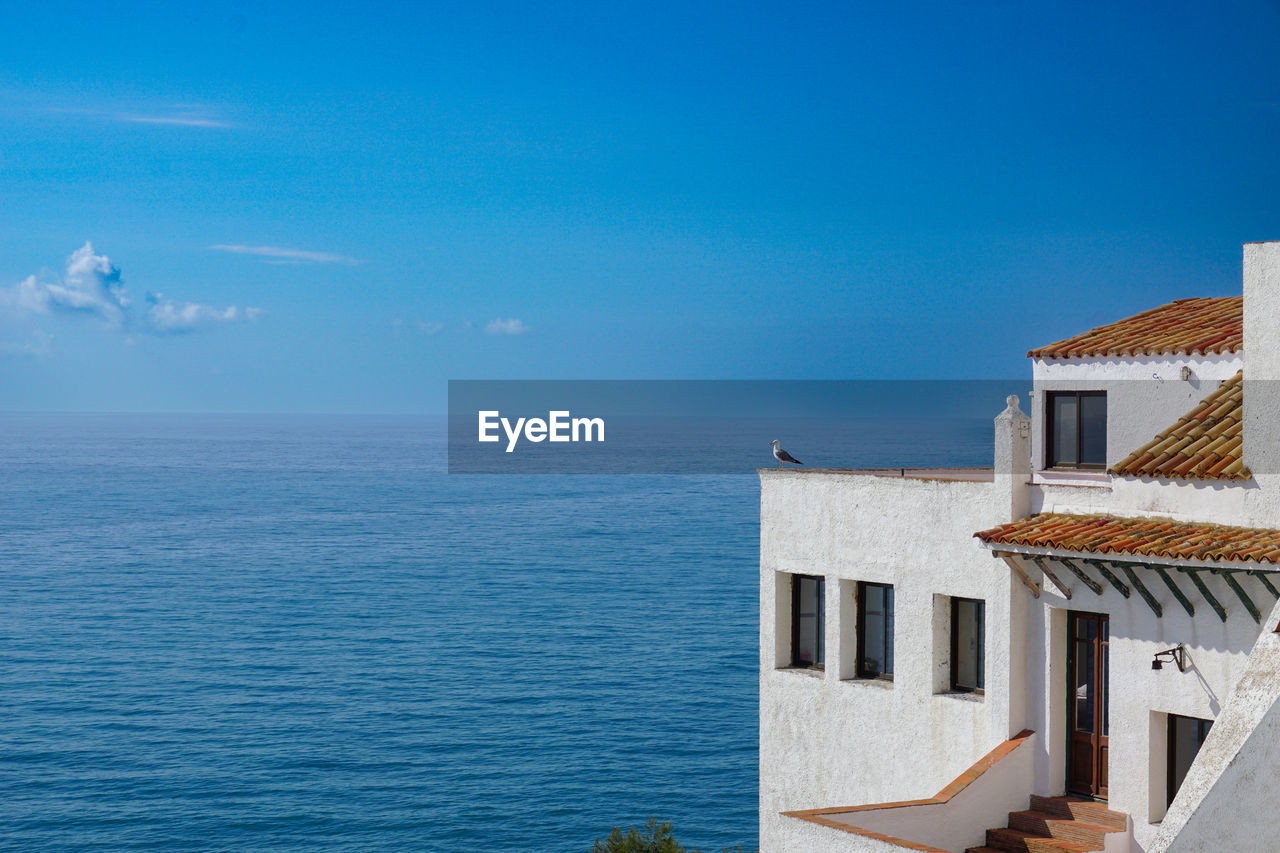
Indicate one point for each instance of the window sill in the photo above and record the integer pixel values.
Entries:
(963, 696)
(881, 683)
(811, 671)
(1071, 477)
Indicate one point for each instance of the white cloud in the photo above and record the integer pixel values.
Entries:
(93, 286)
(281, 255)
(167, 316)
(510, 326)
(430, 328)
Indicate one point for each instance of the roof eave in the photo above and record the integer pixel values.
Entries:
(1116, 557)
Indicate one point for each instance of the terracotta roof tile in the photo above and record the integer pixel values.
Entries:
(1207, 443)
(1147, 537)
(1202, 326)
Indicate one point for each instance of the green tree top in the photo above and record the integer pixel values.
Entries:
(656, 837)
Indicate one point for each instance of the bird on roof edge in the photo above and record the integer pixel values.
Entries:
(783, 456)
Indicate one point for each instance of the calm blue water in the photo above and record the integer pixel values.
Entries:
(299, 633)
(258, 633)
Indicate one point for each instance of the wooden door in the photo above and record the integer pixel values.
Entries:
(1087, 689)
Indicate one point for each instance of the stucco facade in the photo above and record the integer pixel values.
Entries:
(830, 739)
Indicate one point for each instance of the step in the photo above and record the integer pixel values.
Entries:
(1078, 808)
(1017, 841)
(1047, 823)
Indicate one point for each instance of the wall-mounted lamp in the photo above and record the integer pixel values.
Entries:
(1185, 373)
(1176, 655)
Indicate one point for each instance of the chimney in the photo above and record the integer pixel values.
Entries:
(1013, 458)
(1262, 358)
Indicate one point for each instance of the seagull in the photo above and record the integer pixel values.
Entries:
(783, 456)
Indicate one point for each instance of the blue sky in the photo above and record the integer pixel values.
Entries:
(394, 195)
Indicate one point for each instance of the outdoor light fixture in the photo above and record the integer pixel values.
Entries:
(1177, 654)
(1185, 373)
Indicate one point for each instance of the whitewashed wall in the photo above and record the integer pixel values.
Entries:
(1144, 395)
(1239, 503)
(1233, 782)
(1140, 698)
(960, 822)
(827, 740)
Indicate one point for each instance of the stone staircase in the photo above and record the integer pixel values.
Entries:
(1055, 825)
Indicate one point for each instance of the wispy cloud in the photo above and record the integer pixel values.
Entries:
(92, 286)
(37, 345)
(175, 115)
(510, 326)
(280, 254)
(181, 121)
(430, 328)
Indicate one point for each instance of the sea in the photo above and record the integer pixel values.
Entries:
(301, 633)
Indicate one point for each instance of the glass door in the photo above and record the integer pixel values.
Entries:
(1088, 669)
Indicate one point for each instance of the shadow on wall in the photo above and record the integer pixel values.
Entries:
(1214, 704)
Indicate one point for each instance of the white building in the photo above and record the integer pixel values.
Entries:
(945, 654)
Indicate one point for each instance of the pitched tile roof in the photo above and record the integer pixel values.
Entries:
(1199, 326)
(1147, 537)
(1205, 444)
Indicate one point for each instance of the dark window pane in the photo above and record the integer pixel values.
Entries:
(808, 596)
(1093, 429)
(805, 651)
(982, 646)
(1106, 674)
(820, 629)
(1186, 736)
(1084, 686)
(1077, 433)
(807, 611)
(888, 630)
(875, 630)
(1065, 437)
(967, 629)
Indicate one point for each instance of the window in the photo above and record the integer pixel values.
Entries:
(807, 603)
(1186, 736)
(1076, 436)
(875, 631)
(968, 645)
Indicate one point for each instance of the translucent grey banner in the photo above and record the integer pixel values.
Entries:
(721, 427)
